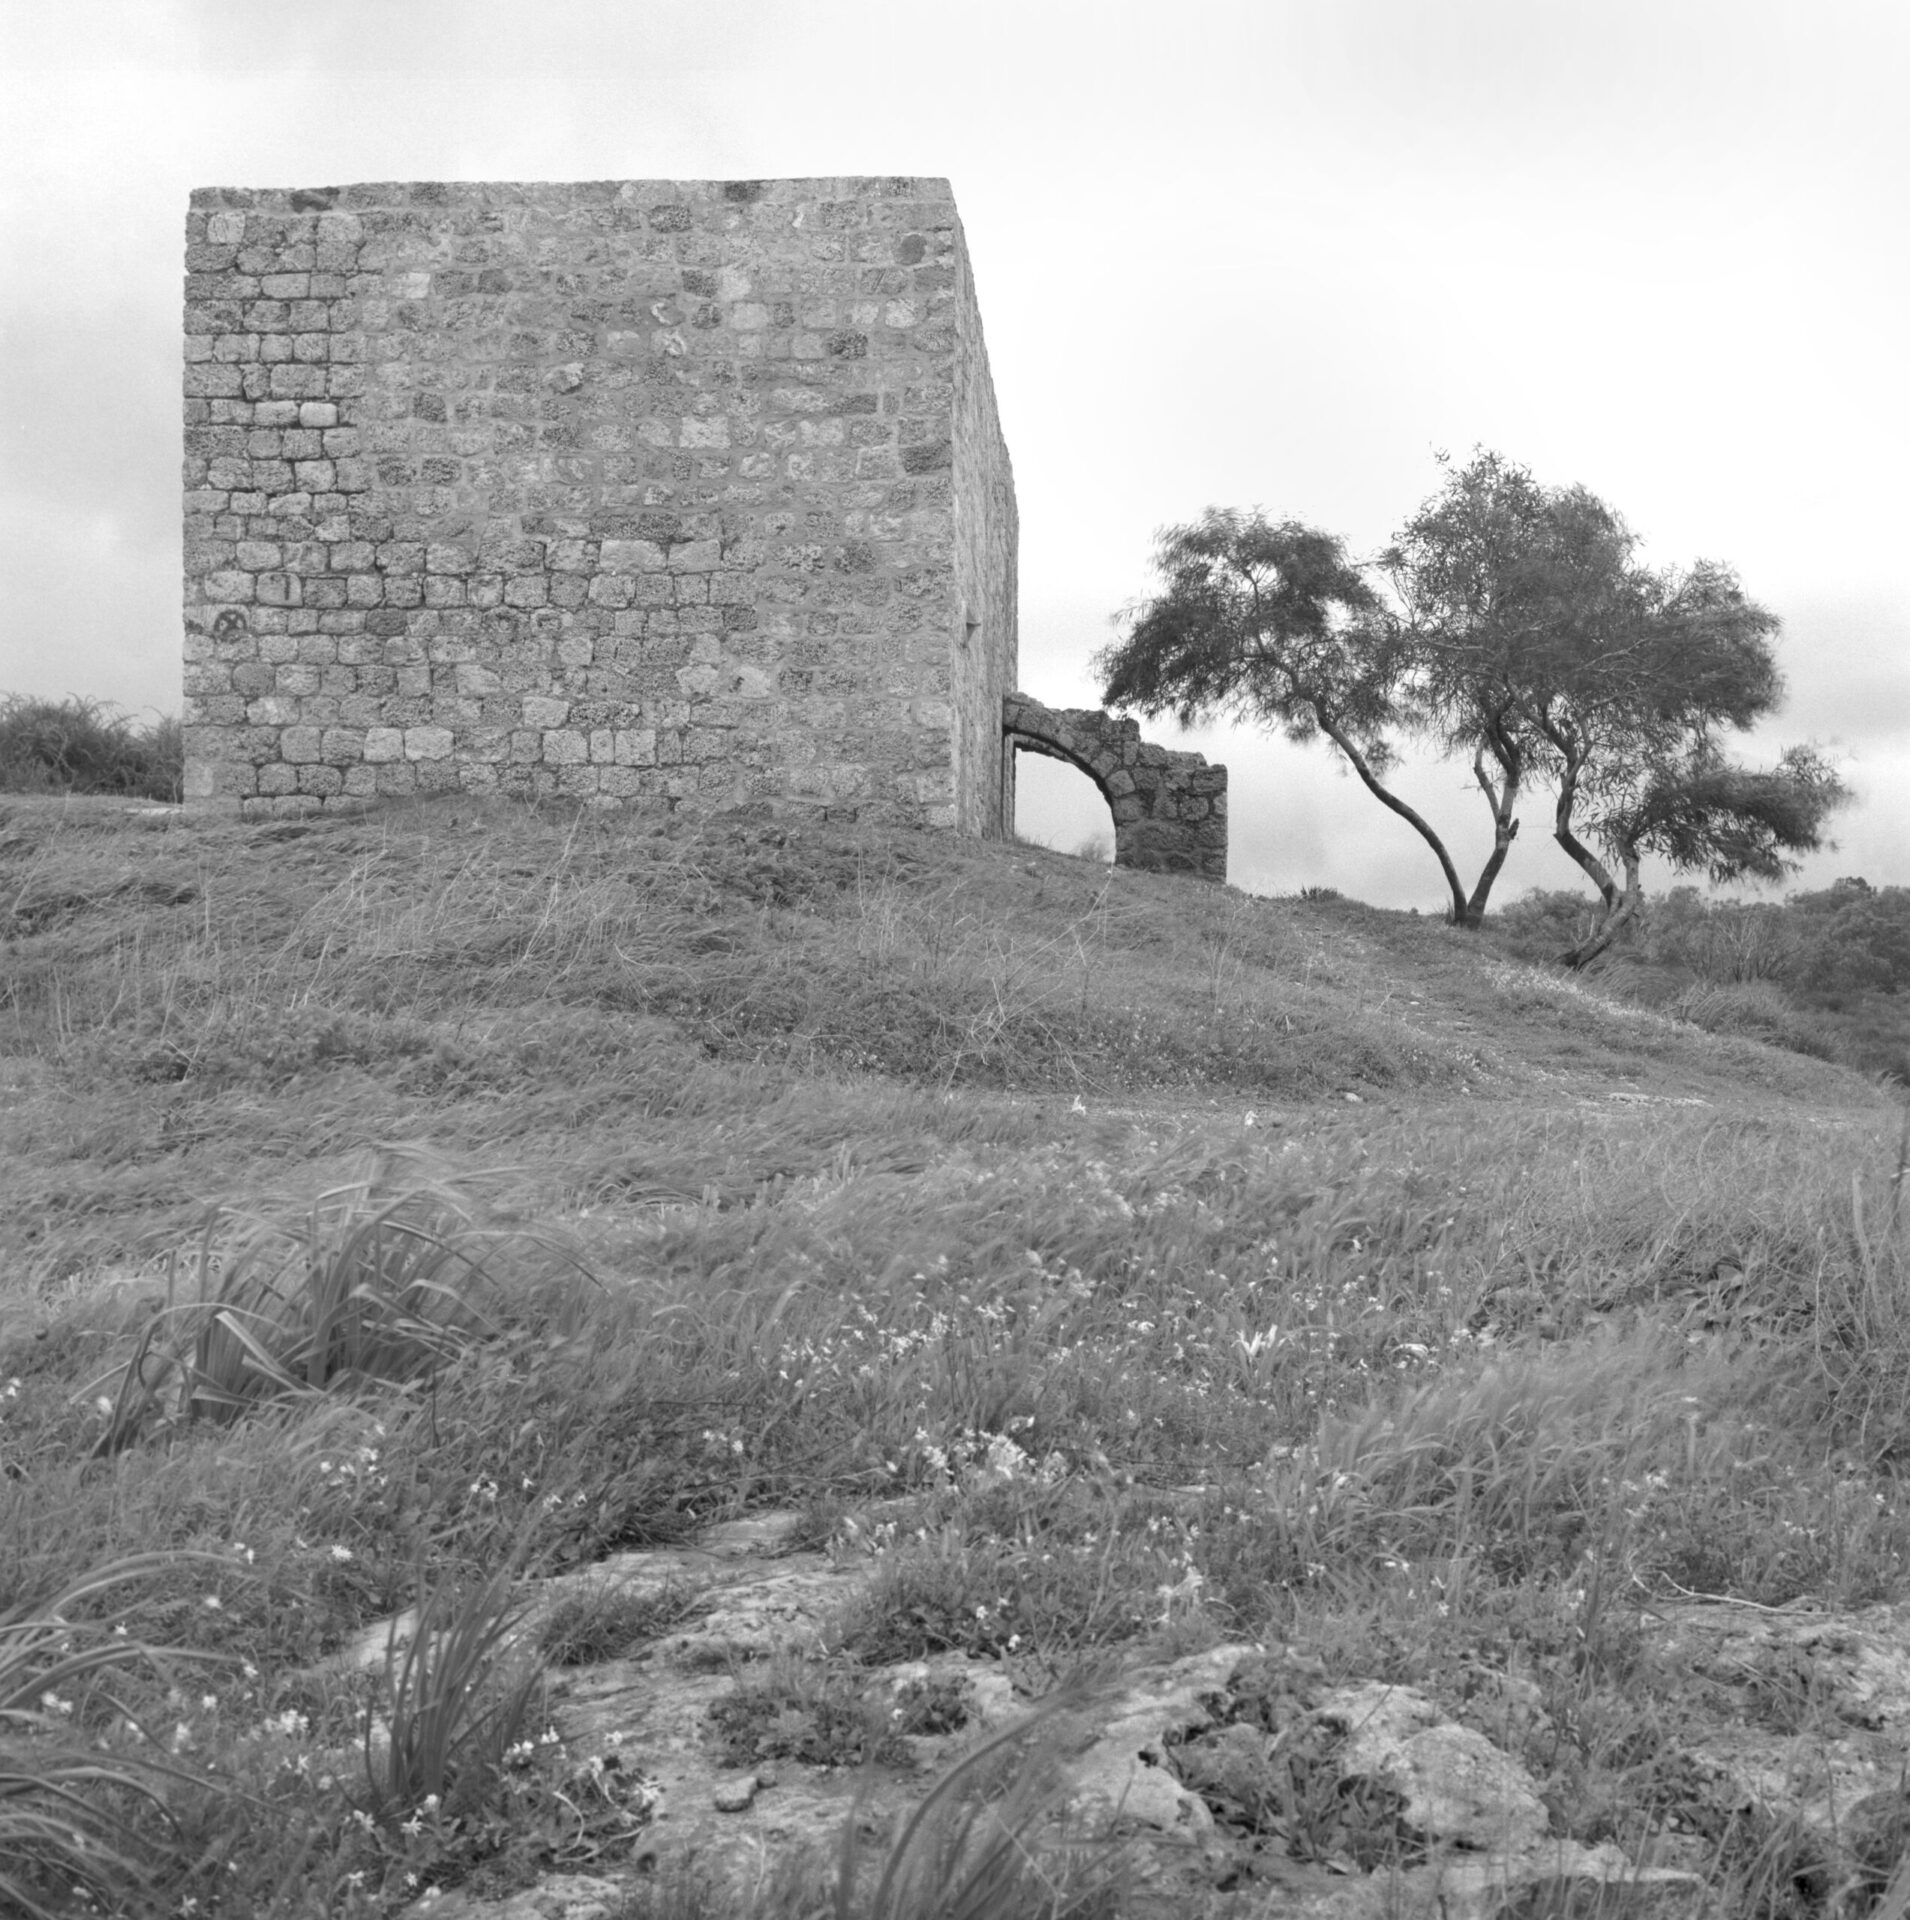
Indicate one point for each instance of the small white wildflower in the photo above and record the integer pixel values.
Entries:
(342, 1555)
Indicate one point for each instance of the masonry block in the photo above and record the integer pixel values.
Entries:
(446, 529)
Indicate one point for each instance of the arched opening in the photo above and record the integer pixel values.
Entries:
(1169, 809)
(1059, 806)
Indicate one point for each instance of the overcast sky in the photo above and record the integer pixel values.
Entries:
(1271, 253)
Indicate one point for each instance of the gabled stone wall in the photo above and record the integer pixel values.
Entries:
(660, 493)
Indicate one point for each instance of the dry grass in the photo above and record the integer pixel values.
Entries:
(1198, 1266)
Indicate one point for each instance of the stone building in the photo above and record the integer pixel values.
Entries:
(650, 491)
(658, 493)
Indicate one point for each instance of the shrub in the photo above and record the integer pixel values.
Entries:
(78, 745)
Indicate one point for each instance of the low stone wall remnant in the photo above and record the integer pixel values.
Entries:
(1169, 808)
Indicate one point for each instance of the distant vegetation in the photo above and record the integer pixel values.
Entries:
(1821, 973)
(77, 745)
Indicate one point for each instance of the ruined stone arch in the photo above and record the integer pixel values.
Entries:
(1170, 809)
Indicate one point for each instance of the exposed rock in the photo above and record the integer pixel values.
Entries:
(1123, 1773)
(559, 1896)
(1239, 1780)
(733, 1796)
(1457, 1786)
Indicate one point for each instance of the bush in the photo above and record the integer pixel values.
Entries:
(77, 745)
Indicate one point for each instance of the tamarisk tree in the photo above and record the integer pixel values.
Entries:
(1497, 583)
(1270, 622)
(1520, 631)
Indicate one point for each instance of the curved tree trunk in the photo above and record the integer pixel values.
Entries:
(1413, 819)
(1505, 827)
(1615, 920)
(1617, 907)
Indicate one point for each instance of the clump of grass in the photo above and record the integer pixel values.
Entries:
(73, 1810)
(77, 745)
(385, 1279)
(1030, 1573)
(607, 1619)
(819, 1711)
(983, 1843)
(454, 1701)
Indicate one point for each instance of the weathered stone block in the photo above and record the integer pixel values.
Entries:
(427, 743)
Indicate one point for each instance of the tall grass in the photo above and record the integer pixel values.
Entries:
(1006, 1215)
(972, 1851)
(69, 1809)
(456, 1698)
(78, 745)
(385, 1279)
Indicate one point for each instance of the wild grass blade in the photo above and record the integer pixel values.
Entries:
(982, 1861)
(451, 1711)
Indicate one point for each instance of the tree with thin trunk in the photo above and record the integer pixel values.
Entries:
(1500, 584)
(1702, 813)
(1523, 633)
(1630, 714)
(1269, 621)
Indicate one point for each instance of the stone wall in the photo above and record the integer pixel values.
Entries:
(662, 493)
(1169, 808)
(985, 556)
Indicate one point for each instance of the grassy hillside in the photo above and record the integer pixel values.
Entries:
(395, 1199)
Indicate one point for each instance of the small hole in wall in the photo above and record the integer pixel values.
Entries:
(969, 631)
(1058, 806)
